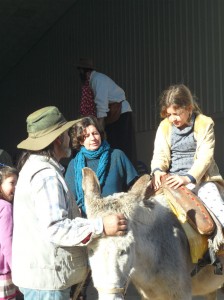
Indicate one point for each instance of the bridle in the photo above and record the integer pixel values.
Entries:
(118, 290)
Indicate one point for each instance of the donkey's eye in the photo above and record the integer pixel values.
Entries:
(123, 252)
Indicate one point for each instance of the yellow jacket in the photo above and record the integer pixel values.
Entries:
(204, 167)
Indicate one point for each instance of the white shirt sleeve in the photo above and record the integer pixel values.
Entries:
(106, 91)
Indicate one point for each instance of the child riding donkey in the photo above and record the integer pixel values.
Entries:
(184, 148)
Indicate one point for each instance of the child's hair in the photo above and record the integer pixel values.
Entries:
(180, 96)
(6, 171)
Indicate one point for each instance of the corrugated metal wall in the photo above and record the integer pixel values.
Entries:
(147, 45)
(144, 45)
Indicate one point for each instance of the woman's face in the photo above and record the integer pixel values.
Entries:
(179, 117)
(92, 138)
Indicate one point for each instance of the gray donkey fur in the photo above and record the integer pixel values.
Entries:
(154, 253)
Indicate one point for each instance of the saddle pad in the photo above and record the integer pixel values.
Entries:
(198, 243)
(189, 207)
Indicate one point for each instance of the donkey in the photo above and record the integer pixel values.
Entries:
(154, 254)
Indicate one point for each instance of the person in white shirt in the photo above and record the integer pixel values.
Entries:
(98, 93)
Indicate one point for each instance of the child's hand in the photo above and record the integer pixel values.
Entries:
(176, 181)
(156, 180)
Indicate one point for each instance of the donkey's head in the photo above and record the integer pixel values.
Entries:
(112, 259)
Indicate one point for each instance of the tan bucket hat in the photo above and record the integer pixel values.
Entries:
(43, 127)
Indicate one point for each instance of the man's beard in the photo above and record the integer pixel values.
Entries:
(67, 151)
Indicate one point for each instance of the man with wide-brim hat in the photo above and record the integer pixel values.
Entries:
(46, 261)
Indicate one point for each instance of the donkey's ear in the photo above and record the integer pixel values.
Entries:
(143, 187)
(90, 183)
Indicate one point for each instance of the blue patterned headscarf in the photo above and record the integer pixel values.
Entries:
(103, 154)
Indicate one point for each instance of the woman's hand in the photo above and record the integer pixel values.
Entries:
(156, 180)
(176, 181)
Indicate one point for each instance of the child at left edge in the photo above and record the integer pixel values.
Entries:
(8, 180)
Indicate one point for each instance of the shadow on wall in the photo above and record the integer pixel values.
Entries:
(219, 144)
(145, 145)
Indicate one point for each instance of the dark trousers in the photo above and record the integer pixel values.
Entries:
(121, 135)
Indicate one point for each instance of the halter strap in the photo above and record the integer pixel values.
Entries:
(118, 290)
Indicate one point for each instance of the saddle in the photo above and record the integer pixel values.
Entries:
(193, 216)
(189, 208)
(201, 226)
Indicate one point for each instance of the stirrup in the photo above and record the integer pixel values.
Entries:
(209, 258)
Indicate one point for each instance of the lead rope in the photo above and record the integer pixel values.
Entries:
(79, 287)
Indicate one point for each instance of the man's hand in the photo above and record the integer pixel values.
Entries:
(115, 225)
